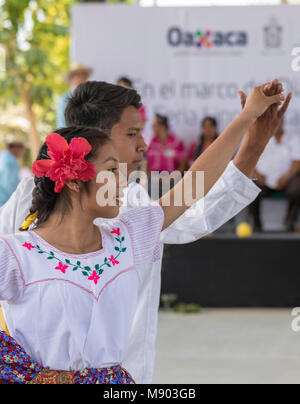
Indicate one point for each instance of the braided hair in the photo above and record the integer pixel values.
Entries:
(44, 198)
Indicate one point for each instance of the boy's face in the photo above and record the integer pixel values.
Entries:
(128, 139)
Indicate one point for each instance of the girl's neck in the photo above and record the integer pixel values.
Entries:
(74, 234)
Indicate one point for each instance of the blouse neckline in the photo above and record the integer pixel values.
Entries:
(88, 255)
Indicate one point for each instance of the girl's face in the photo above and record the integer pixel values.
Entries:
(208, 130)
(104, 192)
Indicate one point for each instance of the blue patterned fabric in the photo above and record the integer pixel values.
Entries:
(16, 367)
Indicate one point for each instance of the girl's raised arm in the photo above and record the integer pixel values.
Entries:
(216, 158)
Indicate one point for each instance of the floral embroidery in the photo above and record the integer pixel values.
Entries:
(94, 274)
(94, 277)
(62, 267)
(113, 260)
(29, 246)
(116, 231)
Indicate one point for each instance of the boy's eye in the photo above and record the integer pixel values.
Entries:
(113, 170)
(131, 134)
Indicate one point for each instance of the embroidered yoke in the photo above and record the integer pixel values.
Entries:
(72, 312)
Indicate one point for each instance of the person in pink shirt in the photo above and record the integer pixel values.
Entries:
(166, 152)
(209, 133)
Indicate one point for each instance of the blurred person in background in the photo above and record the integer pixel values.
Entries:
(10, 167)
(278, 169)
(166, 152)
(166, 155)
(127, 83)
(77, 75)
(209, 133)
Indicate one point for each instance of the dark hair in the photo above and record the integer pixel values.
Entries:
(98, 104)
(214, 122)
(162, 120)
(126, 80)
(44, 198)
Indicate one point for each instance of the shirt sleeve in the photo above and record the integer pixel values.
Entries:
(145, 224)
(232, 193)
(11, 279)
(14, 212)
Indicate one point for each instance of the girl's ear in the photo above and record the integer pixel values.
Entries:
(73, 185)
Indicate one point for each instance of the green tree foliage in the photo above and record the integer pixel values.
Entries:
(35, 36)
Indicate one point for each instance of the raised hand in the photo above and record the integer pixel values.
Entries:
(267, 124)
(259, 101)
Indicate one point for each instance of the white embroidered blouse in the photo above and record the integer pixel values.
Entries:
(71, 312)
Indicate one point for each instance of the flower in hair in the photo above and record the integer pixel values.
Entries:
(67, 162)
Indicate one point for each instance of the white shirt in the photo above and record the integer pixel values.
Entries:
(277, 158)
(71, 312)
(232, 193)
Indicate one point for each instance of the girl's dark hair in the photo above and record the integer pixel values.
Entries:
(44, 198)
(162, 120)
(100, 105)
(214, 122)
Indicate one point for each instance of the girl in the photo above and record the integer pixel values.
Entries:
(208, 135)
(69, 287)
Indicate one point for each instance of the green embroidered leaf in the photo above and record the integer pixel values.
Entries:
(79, 263)
(123, 238)
(118, 240)
(38, 247)
(97, 266)
(124, 249)
(41, 252)
(117, 248)
(50, 258)
(85, 273)
(108, 265)
(75, 268)
(68, 261)
(100, 271)
(87, 268)
(105, 260)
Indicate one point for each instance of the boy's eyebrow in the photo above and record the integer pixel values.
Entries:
(136, 129)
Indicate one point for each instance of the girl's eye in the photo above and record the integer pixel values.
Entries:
(132, 134)
(113, 170)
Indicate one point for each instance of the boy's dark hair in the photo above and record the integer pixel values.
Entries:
(126, 80)
(44, 198)
(99, 104)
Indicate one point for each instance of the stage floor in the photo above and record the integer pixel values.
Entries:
(239, 346)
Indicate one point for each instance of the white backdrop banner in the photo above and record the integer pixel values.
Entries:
(190, 62)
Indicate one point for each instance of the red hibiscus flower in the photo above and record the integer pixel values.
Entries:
(67, 162)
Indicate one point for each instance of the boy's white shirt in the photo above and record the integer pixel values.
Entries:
(232, 193)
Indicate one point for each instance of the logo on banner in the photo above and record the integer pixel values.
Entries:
(206, 39)
(273, 34)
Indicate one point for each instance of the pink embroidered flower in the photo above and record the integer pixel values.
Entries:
(62, 267)
(67, 162)
(94, 277)
(116, 231)
(113, 261)
(29, 246)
